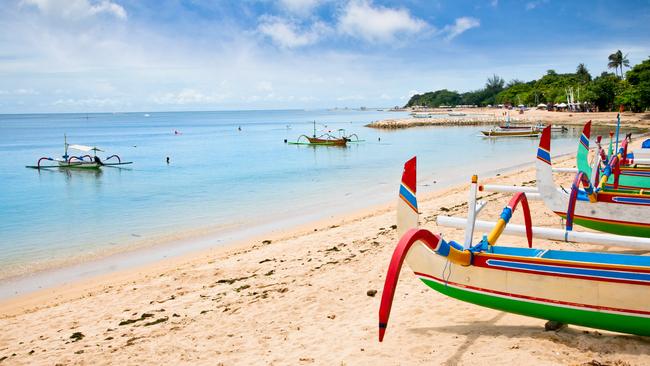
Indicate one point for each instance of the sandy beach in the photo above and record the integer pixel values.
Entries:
(492, 116)
(301, 297)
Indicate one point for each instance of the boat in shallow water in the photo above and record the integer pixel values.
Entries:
(598, 290)
(498, 132)
(326, 139)
(85, 161)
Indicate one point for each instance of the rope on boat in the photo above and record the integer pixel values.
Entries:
(114, 156)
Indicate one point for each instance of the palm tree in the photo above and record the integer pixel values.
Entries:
(583, 73)
(616, 60)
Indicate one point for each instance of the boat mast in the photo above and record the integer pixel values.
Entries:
(314, 129)
(65, 147)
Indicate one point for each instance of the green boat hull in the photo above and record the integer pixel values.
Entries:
(587, 318)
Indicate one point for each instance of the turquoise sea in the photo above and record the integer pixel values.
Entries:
(222, 183)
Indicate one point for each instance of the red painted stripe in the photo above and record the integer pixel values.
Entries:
(524, 297)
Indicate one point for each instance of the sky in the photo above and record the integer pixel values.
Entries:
(173, 55)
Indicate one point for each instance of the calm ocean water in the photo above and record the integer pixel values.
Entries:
(220, 179)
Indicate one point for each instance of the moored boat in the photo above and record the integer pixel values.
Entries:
(497, 132)
(597, 290)
(78, 162)
(613, 211)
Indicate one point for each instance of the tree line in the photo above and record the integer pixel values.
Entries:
(603, 93)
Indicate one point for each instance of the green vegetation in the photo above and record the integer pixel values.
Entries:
(604, 93)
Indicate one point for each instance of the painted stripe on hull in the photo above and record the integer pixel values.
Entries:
(583, 273)
(611, 226)
(636, 201)
(595, 318)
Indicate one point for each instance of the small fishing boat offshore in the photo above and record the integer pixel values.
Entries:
(524, 132)
(326, 139)
(84, 161)
(598, 290)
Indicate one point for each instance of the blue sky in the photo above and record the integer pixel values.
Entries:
(132, 55)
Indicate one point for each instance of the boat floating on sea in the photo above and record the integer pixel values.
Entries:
(326, 139)
(82, 161)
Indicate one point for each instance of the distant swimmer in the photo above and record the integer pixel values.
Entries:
(239, 128)
(168, 160)
(176, 132)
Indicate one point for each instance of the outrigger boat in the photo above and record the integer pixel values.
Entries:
(498, 132)
(597, 290)
(613, 211)
(326, 139)
(625, 176)
(78, 162)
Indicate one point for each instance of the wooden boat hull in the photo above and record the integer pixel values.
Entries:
(336, 142)
(78, 165)
(511, 133)
(589, 294)
(615, 212)
(598, 290)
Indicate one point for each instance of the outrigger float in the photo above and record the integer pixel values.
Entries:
(80, 161)
(326, 139)
(597, 290)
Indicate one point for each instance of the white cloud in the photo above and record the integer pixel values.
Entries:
(534, 4)
(88, 102)
(287, 34)
(300, 7)
(21, 91)
(76, 9)
(460, 26)
(187, 96)
(361, 19)
(494, 3)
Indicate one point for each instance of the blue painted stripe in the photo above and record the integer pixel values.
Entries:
(584, 140)
(621, 275)
(638, 201)
(635, 173)
(408, 196)
(543, 155)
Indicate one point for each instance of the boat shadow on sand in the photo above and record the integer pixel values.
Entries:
(580, 339)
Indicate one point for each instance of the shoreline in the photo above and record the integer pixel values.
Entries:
(182, 243)
(491, 116)
(294, 299)
(204, 242)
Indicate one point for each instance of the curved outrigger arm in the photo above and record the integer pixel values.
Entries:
(506, 214)
(453, 251)
(407, 219)
(591, 193)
